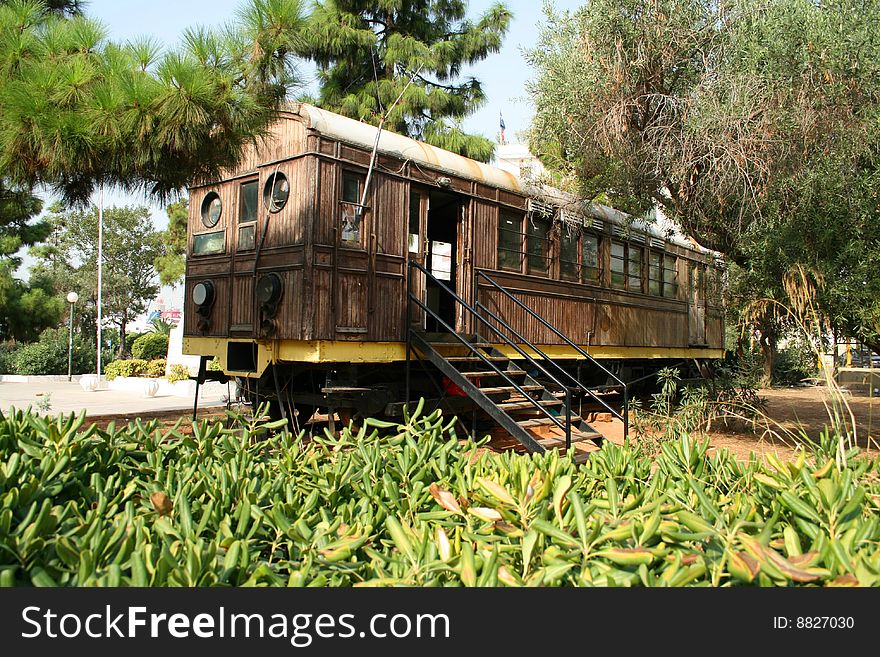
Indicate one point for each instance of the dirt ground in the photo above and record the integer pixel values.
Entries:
(807, 410)
(790, 411)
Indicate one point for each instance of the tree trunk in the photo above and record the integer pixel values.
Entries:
(768, 350)
(121, 351)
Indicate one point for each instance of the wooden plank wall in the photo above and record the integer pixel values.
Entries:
(587, 320)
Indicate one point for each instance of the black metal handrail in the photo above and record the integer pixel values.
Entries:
(624, 417)
(473, 349)
(567, 374)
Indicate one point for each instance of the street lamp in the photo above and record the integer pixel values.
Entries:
(72, 298)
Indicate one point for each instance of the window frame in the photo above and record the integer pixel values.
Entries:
(247, 223)
(670, 288)
(516, 216)
(344, 203)
(632, 248)
(626, 260)
(534, 221)
(570, 236)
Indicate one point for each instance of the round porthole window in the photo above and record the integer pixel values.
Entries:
(212, 208)
(276, 192)
(203, 293)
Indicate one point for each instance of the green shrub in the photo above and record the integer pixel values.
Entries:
(796, 361)
(49, 355)
(150, 346)
(129, 340)
(214, 365)
(133, 367)
(178, 373)
(155, 368)
(412, 505)
(7, 351)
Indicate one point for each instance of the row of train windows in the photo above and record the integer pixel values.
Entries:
(580, 257)
(275, 195)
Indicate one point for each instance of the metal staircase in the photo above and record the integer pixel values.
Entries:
(524, 395)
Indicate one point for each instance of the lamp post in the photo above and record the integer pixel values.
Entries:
(72, 298)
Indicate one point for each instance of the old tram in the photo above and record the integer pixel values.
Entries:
(347, 269)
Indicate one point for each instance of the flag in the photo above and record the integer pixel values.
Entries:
(501, 121)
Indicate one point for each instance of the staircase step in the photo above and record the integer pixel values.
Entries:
(471, 359)
(524, 405)
(474, 375)
(576, 437)
(500, 389)
(538, 422)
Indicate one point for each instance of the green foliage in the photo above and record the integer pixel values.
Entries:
(214, 365)
(155, 368)
(49, 355)
(367, 53)
(78, 110)
(691, 407)
(754, 125)
(130, 339)
(163, 326)
(25, 309)
(150, 346)
(7, 351)
(178, 372)
(171, 263)
(124, 368)
(411, 505)
(797, 361)
(130, 245)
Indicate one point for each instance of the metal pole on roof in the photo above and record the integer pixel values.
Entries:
(363, 203)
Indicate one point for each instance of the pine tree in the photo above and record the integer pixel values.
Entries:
(368, 51)
(78, 110)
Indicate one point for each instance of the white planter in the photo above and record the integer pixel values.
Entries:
(89, 382)
(151, 387)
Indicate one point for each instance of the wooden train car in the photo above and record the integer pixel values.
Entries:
(336, 251)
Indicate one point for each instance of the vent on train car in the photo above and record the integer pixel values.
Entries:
(657, 243)
(540, 208)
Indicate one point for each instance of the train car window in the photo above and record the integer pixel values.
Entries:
(247, 201)
(208, 243)
(590, 247)
(618, 265)
(352, 186)
(510, 240)
(247, 237)
(212, 208)
(670, 277)
(276, 192)
(568, 253)
(634, 268)
(538, 245)
(655, 273)
(415, 209)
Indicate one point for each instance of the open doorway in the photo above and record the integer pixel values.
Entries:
(444, 213)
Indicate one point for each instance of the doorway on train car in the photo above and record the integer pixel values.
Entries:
(441, 258)
(696, 304)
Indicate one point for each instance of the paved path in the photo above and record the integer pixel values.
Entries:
(65, 397)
